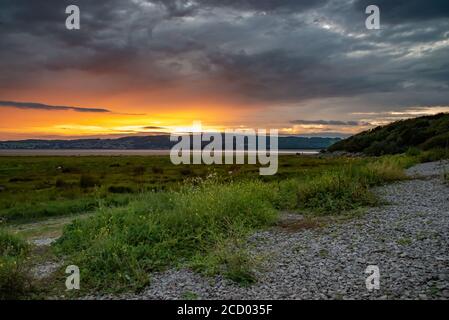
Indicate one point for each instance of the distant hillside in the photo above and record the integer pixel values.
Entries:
(161, 142)
(424, 133)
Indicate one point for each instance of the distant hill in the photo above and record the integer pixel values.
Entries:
(423, 133)
(160, 142)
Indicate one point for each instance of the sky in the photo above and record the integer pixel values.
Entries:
(307, 67)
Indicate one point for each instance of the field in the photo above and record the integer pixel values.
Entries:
(138, 215)
(41, 187)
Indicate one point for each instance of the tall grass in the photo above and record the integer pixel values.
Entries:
(434, 155)
(119, 247)
(341, 189)
(15, 280)
(204, 225)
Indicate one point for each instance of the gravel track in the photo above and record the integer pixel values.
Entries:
(408, 239)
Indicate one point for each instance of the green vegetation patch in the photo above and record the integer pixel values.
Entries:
(34, 188)
(423, 133)
(118, 248)
(204, 224)
(15, 280)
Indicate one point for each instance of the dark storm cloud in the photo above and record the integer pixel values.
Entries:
(329, 122)
(187, 7)
(260, 51)
(40, 106)
(282, 76)
(397, 11)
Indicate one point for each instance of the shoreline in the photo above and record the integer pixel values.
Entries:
(118, 152)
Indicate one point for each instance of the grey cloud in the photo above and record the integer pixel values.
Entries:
(284, 76)
(265, 5)
(283, 56)
(407, 10)
(179, 8)
(40, 106)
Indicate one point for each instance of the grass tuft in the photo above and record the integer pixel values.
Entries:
(117, 248)
(15, 281)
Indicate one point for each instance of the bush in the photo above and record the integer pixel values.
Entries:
(61, 184)
(87, 181)
(11, 245)
(15, 279)
(120, 189)
(139, 170)
(287, 197)
(186, 172)
(118, 247)
(434, 155)
(386, 170)
(13, 180)
(346, 188)
(157, 170)
(70, 170)
(425, 133)
(231, 259)
(334, 192)
(413, 152)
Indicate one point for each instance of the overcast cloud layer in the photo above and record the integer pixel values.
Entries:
(315, 56)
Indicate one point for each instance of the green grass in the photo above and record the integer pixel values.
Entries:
(33, 188)
(343, 188)
(196, 217)
(15, 280)
(204, 224)
(117, 248)
(433, 155)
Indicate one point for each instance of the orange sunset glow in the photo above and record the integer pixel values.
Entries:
(152, 67)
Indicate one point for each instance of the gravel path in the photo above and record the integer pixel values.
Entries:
(408, 239)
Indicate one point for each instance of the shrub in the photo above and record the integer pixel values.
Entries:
(287, 196)
(231, 259)
(120, 189)
(13, 180)
(139, 170)
(334, 192)
(434, 155)
(87, 181)
(157, 170)
(70, 170)
(61, 184)
(385, 170)
(11, 245)
(117, 247)
(15, 281)
(186, 172)
(425, 133)
(413, 152)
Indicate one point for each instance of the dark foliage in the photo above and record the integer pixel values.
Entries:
(424, 133)
(120, 189)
